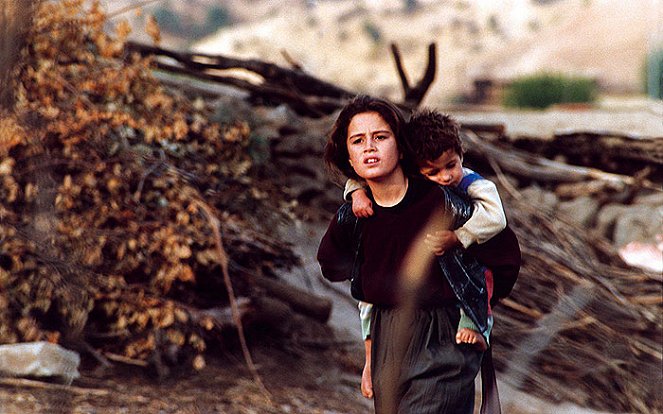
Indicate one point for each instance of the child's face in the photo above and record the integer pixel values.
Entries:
(372, 147)
(446, 170)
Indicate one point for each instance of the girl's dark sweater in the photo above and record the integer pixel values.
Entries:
(387, 236)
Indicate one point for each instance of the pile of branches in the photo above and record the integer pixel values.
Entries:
(123, 210)
(580, 325)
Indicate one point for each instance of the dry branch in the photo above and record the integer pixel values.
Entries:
(609, 146)
(26, 383)
(305, 93)
(313, 306)
(412, 96)
(580, 325)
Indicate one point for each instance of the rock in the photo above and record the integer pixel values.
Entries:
(643, 255)
(581, 210)
(537, 196)
(279, 116)
(229, 109)
(653, 199)
(39, 359)
(607, 217)
(640, 223)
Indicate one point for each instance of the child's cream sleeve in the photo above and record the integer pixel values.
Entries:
(488, 218)
(350, 186)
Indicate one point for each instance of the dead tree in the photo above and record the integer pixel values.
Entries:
(412, 96)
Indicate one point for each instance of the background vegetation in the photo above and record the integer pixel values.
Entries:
(546, 89)
(654, 74)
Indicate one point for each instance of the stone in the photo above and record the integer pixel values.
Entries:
(654, 199)
(607, 217)
(229, 109)
(39, 359)
(581, 210)
(641, 223)
(536, 196)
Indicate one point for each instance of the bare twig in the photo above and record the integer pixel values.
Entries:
(26, 383)
(223, 258)
(115, 13)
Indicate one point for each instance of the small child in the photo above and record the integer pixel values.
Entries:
(435, 146)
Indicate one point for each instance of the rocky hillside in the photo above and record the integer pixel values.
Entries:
(347, 42)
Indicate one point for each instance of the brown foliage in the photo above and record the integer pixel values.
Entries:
(102, 174)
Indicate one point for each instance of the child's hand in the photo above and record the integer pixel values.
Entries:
(361, 204)
(441, 241)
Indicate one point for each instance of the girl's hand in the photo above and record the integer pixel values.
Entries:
(441, 241)
(361, 204)
(366, 382)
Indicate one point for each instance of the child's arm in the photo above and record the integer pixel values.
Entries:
(488, 218)
(361, 204)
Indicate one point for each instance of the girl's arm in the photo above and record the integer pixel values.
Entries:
(335, 254)
(366, 380)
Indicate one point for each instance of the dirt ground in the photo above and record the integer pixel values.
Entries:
(298, 381)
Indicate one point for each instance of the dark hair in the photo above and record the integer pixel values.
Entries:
(431, 133)
(336, 151)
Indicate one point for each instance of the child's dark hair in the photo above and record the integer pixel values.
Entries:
(430, 133)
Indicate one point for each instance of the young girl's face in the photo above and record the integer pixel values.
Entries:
(445, 170)
(372, 146)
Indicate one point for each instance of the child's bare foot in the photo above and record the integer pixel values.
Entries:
(472, 337)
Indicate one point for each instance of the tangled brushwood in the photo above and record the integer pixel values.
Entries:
(580, 325)
(110, 188)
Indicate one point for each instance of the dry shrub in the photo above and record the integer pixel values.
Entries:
(102, 174)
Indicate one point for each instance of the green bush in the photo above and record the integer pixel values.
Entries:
(411, 5)
(543, 90)
(372, 31)
(654, 74)
(217, 17)
(168, 20)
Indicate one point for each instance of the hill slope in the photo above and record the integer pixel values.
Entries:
(347, 42)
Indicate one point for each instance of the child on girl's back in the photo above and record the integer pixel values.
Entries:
(435, 146)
